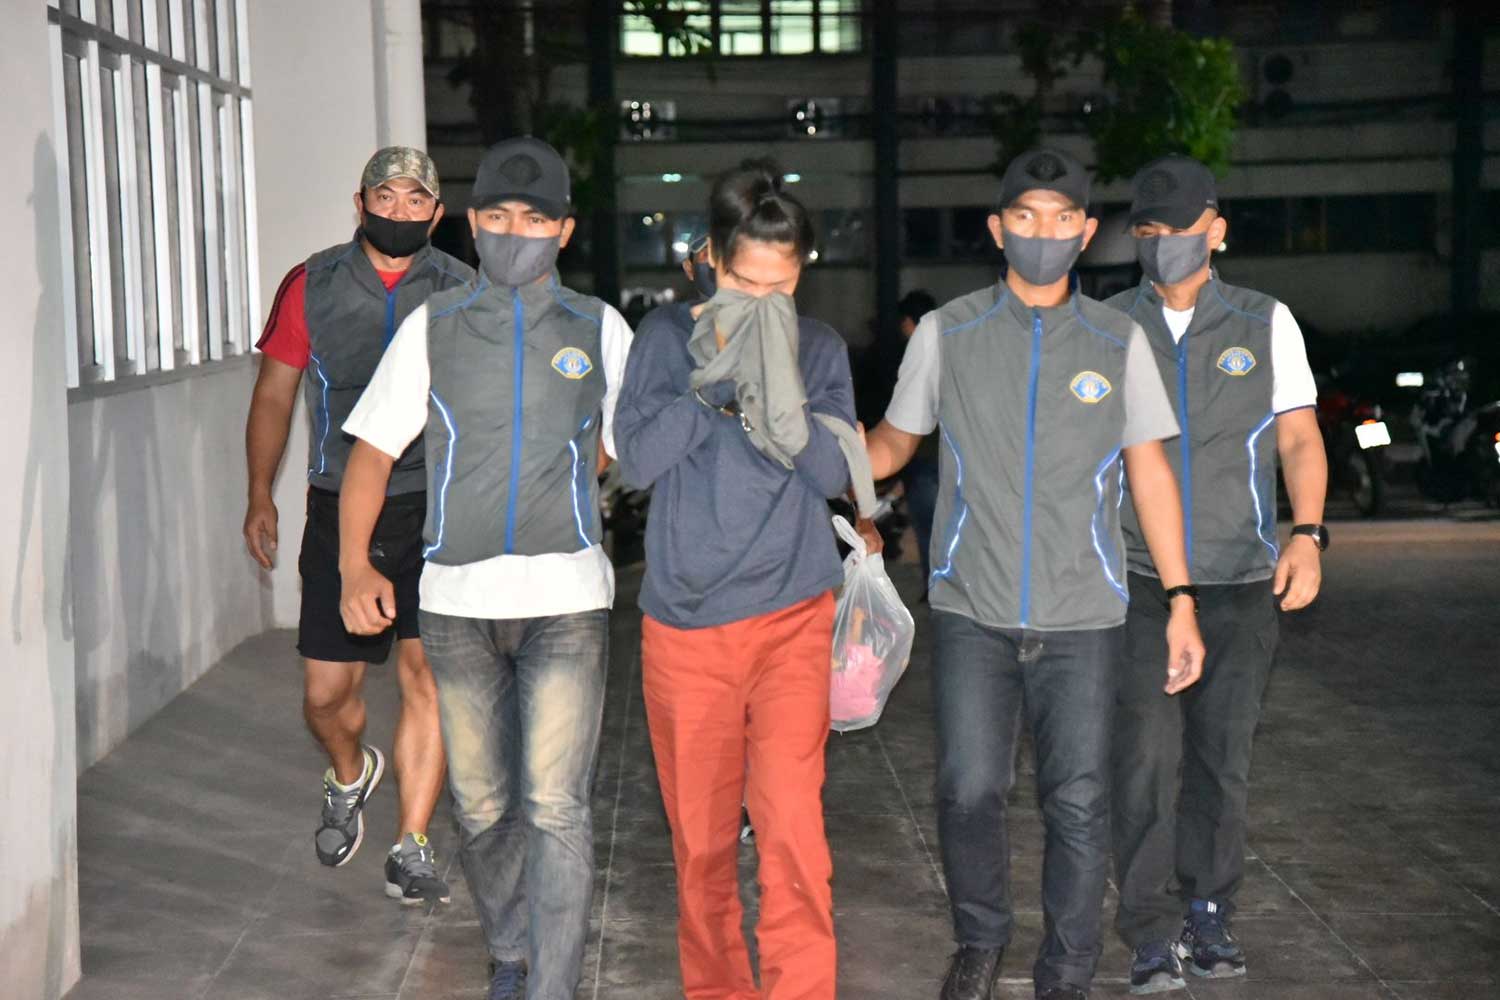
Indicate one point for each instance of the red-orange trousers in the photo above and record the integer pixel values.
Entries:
(739, 712)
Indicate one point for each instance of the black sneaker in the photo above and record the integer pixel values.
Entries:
(411, 873)
(1156, 968)
(1212, 951)
(972, 974)
(507, 981)
(341, 829)
(1062, 991)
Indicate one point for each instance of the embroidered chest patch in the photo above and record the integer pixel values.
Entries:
(1090, 387)
(572, 363)
(1236, 361)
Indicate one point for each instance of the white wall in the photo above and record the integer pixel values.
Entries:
(38, 830)
(164, 587)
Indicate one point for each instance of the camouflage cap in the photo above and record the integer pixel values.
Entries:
(401, 161)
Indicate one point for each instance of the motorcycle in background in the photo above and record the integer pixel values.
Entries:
(1355, 437)
(1459, 439)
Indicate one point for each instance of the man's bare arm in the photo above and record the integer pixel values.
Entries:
(1153, 487)
(266, 431)
(890, 449)
(368, 601)
(1304, 466)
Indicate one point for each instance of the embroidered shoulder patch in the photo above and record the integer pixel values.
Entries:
(1090, 387)
(1236, 361)
(572, 363)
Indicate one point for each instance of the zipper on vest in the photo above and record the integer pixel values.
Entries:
(1031, 394)
(1186, 445)
(390, 317)
(518, 321)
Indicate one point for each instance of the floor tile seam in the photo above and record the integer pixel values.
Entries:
(1482, 901)
(1446, 867)
(259, 914)
(614, 820)
(1329, 928)
(411, 960)
(911, 813)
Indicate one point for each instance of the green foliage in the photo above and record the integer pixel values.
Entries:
(1016, 121)
(1168, 92)
(580, 135)
(671, 22)
(1165, 91)
(510, 92)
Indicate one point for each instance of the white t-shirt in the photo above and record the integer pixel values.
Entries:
(1292, 384)
(392, 412)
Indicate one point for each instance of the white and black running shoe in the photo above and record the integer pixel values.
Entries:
(342, 826)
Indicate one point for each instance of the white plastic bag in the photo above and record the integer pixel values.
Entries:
(872, 636)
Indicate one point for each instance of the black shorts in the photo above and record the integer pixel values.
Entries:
(395, 550)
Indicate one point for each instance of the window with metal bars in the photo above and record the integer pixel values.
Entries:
(159, 240)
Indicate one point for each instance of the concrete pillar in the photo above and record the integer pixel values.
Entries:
(400, 88)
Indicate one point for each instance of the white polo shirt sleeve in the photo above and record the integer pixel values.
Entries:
(615, 339)
(914, 404)
(392, 411)
(1292, 384)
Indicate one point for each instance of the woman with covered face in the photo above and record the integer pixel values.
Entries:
(732, 410)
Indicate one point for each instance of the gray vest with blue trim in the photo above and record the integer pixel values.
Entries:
(1031, 411)
(513, 421)
(350, 320)
(1220, 379)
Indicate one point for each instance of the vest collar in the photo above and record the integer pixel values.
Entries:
(536, 298)
(364, 271)
(1208, 306)
(1053, 317)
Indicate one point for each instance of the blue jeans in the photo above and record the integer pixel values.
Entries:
(521, 702)
(983, 680)
(920, 480)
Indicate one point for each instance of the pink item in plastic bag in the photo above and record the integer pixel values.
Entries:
(872, 637)
(856, 688)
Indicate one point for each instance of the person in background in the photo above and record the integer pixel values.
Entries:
(919, 480)
(1046, 402)
(699, 268)
(1237, 372)
(330, 324)
(737, 594)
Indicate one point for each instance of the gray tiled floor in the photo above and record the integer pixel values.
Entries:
(1375, 812)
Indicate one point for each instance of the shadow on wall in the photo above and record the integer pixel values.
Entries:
(50, 909)
(163, 587)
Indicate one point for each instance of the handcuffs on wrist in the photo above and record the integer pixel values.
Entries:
(731, 410)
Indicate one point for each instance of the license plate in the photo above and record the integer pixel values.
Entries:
(1372, 435)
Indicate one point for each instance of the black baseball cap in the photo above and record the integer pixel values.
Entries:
(1045, 170)
(1173, 190)
(523, 169)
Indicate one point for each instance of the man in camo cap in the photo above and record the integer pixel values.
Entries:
(329, 325)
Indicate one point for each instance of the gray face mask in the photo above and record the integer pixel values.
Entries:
(1166, 260)
(1040, 259)
(511, 260)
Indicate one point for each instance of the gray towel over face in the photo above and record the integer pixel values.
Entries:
(760, 356)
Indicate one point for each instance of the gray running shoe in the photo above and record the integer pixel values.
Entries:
(342, 827)
(411, 872)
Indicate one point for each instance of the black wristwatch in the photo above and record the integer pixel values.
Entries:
(1316, 532)
(1186, 589)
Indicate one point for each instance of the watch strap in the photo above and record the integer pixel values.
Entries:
(1317, 532)
(1184, 590)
